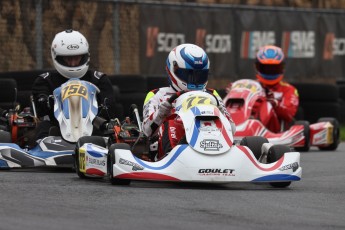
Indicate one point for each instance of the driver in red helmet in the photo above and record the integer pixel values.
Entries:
(282, 96)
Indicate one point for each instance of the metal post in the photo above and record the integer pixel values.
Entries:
(116, 38)
(39, 34)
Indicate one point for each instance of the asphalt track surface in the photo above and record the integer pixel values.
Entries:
(58, 199)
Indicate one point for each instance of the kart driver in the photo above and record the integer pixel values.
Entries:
(282, 96)
(70, 54)
(187, 69)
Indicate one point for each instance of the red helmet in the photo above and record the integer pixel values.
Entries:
(269, 65)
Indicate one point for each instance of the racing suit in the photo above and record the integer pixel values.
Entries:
(284, 100)
(170, 130)
(47, 82)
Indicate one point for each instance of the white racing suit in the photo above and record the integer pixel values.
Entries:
(169, 130)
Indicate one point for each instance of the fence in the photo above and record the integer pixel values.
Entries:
(132, 37)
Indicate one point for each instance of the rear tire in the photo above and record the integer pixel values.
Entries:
(96, 140)
(274, 154)
(112, 161)
(306, 134)
(336, 133)
(5, 137)
(254, 143)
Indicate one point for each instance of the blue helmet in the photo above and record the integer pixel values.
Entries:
(270, 65)
(187, 67)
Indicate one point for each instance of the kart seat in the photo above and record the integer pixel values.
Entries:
(8, 93)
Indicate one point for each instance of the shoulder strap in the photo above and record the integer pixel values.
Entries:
(47, 76)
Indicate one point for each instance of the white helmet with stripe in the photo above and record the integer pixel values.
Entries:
(188, 67)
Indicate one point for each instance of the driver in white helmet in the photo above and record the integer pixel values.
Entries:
(71, 57)
(187, 69)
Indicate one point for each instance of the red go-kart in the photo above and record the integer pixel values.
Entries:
(240, 103)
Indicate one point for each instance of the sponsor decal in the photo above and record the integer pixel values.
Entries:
(157, 41)
(135, 166)
(294, 166)
(321, 137)
(299, 44)
(207, 112)
(213, 43)
(172, 132)
(210, 145)
(216, 172)
(73, 47)
(209, 129)
(333, 46)
(94, 161)
(82, 161)
(251, 41)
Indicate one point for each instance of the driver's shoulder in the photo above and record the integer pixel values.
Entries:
(48, 75)
(211, 91)
(97, 74)
(163, 91)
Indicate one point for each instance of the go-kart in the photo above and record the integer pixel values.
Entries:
(75, 107)
(207, 154)
(240, 103)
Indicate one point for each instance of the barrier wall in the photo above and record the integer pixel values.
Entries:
(316, 99)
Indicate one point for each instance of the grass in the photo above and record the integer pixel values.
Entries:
(342, 132)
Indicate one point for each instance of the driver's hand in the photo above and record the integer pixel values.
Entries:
(164, 109)
(270, 98)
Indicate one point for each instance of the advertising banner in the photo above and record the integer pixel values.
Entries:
(163, 28)
(313, 41)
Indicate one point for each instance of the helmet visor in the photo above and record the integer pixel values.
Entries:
(270, 69)
(63, 60)
(193, 77)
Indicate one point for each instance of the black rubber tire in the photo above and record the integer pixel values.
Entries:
(96, 140)
(112, 161)
(336, 133)
(274, 154)
(306, 133)
(5, 137)
(254, 143)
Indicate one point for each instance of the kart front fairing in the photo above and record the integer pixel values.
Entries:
(75, 107)
(207, 130)
(241, 99)
(183, 163)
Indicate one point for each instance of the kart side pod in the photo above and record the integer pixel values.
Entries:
(91, 161)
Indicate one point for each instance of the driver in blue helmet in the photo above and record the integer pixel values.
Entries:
(282, 96)
(187, 69)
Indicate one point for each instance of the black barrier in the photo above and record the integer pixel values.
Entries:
(132, 89)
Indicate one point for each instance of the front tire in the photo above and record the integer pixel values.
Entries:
(96, 140)
(274, 154)
(254, 143)
(5, 137)
(112, 161)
